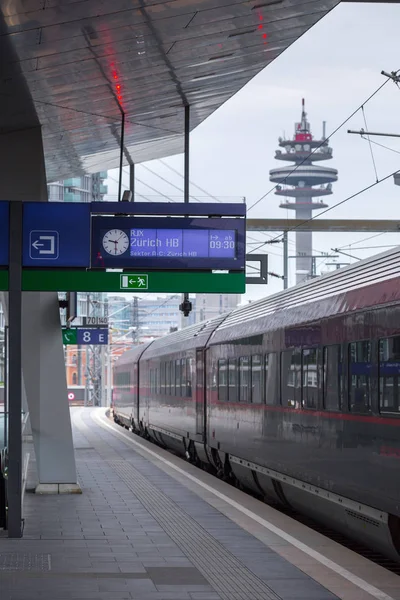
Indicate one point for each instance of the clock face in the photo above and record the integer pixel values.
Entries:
(115, 242)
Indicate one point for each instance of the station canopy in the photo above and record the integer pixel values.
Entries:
(74, 66)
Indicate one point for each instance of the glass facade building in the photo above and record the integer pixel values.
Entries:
(88, 188)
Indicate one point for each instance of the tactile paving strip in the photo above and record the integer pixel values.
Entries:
(229, 577)
(17, 561)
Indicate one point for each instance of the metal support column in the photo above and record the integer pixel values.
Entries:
(285, 261)
(187, 155)
(103, 376)
(15, 374)
(185, 306)
(313, 267)
(121, 155)
(132, 180)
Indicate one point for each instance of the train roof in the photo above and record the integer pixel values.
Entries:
(195, 336)
(333, 293)
(132, 356)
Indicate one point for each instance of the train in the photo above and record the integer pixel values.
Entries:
(295, 397)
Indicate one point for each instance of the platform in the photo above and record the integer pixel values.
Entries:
(149, 526)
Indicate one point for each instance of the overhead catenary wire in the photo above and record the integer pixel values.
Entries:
(198, 187)
(365, 189)
(162, 304)
(315, 149)
(167, 181)
(150, 187)
(154, 190)
(370, 247)
(370, 145)
(191, 182)
(349, 246)
(116, 180)
(380, 145)
(199, 200)
(378, 89)
(370, 237)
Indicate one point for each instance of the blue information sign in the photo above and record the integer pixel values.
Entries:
(56, 234)
(80, 235)
(178, 243)
(4, 233)
(164, 243)
(91, 336)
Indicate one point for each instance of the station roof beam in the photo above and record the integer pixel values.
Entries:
(73, 67)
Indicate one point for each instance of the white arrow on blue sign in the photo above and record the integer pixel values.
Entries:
(56, 234)
(44, 244)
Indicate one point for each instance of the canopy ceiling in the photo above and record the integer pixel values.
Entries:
(75, 65)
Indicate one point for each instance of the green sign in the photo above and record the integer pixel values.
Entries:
(172, 282)
(134, 282)
(69, 336)
(3, 280)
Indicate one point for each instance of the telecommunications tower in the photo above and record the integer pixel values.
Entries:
(299, 182)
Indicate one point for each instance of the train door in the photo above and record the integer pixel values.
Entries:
(200, 392)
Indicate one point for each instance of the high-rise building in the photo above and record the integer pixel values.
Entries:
(139, 319)
(88, 188)
(299, 181)
(84, 364)
(209, 306)
(159, 316)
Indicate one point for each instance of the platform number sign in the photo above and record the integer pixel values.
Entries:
(92, 336)
(82, 336)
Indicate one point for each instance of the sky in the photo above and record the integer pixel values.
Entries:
(335, 66)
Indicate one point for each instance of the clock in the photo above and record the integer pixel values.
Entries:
(115, 242)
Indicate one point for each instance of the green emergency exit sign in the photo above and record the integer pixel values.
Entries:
(134, 282)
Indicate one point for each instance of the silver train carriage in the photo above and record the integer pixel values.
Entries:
(295, 397)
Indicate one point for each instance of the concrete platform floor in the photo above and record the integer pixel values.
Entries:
(149, 526)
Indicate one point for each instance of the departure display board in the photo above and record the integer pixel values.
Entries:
(174, 243)
(168, 243)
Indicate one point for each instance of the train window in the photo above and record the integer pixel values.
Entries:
(222, 380)
(291, 378)
(172, 378)
(183, 377)
(232, 380)
(189, 377)
(168, 378)
(158, 380)
(310, 378)
(360, 376)
(256, 379)
(127, 379)
(177, 377)
(162, 367)
(271, 377)
(389, 375)
(244, 379)
(151, 380)
(333, 377)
